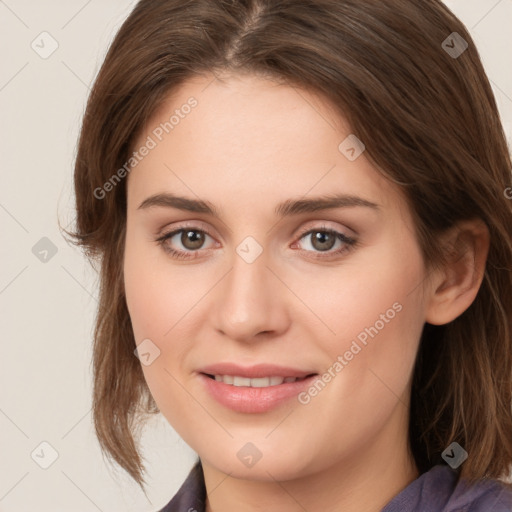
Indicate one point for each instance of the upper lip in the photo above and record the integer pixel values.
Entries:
(255, 371)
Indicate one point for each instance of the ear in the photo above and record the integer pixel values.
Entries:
(456, 284)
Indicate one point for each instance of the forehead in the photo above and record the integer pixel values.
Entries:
(250, 138)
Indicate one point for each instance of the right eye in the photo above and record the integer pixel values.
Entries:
(191, 239)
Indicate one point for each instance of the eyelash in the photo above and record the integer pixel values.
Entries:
(350, 243)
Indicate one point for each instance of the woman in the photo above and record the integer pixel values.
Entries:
(300, 213)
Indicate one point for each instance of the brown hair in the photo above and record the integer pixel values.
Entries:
(428, 120)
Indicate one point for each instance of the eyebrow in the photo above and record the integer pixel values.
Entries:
(286, 208)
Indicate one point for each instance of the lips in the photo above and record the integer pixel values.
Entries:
(245, 389)
(255, 371)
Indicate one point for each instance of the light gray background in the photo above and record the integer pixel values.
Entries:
(47, 309)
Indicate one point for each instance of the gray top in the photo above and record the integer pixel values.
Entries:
(437, 490)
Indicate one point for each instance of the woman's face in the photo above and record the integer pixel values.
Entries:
(262, 282)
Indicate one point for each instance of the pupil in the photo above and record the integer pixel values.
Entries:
(323, 238)
(192, 239)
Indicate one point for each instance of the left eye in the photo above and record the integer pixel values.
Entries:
(323, 240)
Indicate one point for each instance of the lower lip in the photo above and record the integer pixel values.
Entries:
(253, 400)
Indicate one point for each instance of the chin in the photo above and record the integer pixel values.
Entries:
(264, 466)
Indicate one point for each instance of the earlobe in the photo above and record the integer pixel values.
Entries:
(457, 283)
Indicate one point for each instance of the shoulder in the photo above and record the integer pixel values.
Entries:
(441, 490)
(487, 495)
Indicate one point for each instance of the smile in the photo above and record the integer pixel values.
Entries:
(260, 382)
(254, 394)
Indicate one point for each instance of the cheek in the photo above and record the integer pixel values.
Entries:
(156, 306)
(369, 294)
(161, 303)
(142, 296)
(375, 312)
(158, 294)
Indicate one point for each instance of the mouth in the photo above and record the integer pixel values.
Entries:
(259, 382)
(254, 394)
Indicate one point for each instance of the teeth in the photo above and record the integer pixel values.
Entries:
(260, 382)
(241, 381)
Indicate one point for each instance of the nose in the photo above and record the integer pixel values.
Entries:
(251, 301)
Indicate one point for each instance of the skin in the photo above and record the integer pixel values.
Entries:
(248, 145)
